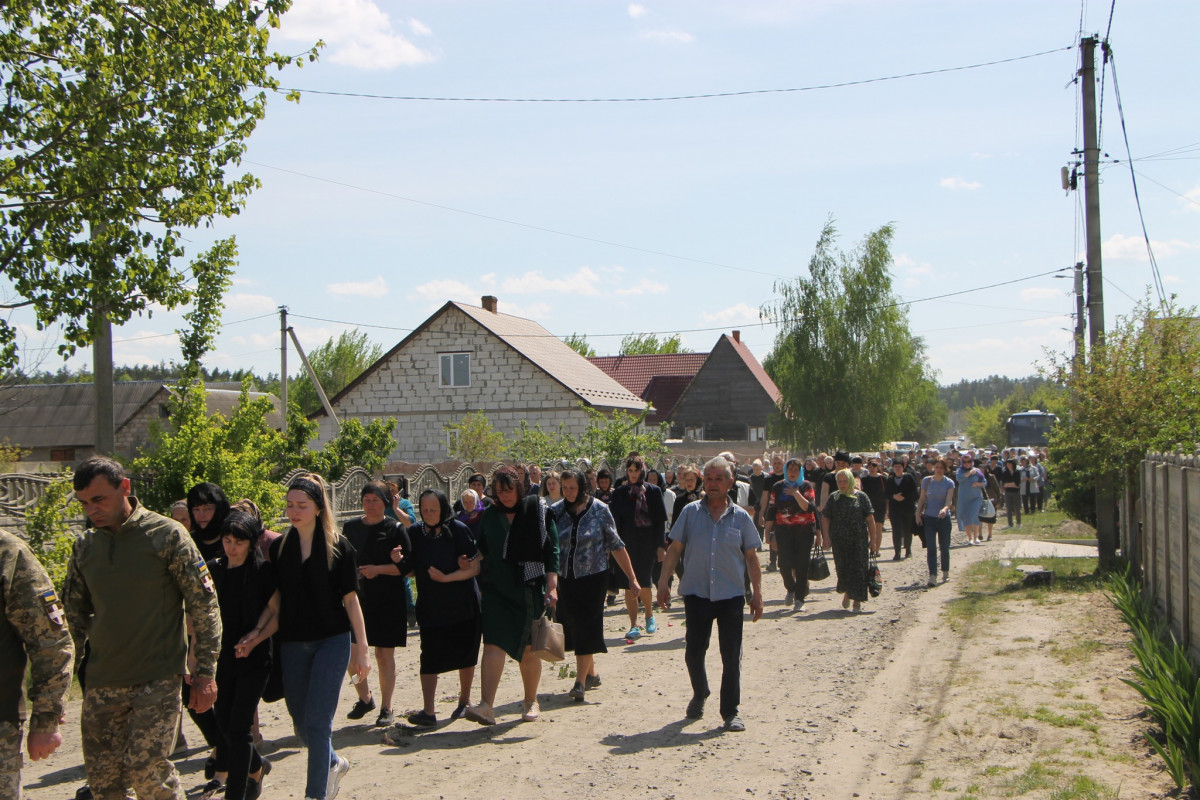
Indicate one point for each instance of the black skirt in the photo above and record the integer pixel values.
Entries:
(447, 648)
(581, 611)
(387, 623)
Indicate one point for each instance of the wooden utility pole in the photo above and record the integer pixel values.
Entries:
(283, 337)
(1106, 507)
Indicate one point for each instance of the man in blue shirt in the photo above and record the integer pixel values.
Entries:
(718, 543)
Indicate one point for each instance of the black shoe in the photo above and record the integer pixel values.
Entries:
(384, 719)
(253, 789)
(458, 710)
(84, 793)
(576, 692)
(422, 720)
(897, 557)
(695, 707)
(212, 789)
(592, 682)
(734, 724)
(360, 709)
(210, 768)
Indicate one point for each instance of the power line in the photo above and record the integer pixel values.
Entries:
(672, 98)
(526, 225)
(1191, 200)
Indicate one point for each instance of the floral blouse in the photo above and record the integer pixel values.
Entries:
(584, 542)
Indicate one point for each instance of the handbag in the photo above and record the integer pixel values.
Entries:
(818, 567)
(988, 512)
(546, 638)
(874, 577)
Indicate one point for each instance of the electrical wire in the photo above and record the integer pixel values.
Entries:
(672, 98)
(1191, 200)
(1158, 284)
(525, 225)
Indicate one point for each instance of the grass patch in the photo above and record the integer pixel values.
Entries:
(937, 784)
(1081, 787)
(1034, 777)
(988, 584)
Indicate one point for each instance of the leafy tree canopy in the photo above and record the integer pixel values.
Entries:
(120, 120)
(579, 343)
(337, 363)
(645, 344)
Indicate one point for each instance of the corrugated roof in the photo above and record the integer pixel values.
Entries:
(559, 361)
(636, 372)
(63, 414)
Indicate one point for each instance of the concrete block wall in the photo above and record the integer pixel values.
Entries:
(504, 385)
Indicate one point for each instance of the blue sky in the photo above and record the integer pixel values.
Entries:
(610, 218)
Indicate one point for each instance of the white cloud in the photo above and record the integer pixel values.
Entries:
(443, 290)
(740, 314)
(637, 10)
(911, 266)
(358, 33)
(243, 282)
(1194, 197)
(534, 311)
(1133, 248)
(957, 183)
(644, 286)
(1173, 280)
(669, 36)
(375, 288)
(419, 28)
(585, 281)
(244, 303)
(1036, 293)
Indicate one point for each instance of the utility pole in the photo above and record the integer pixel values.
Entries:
(1106, 529)
(283, 329)
(1080, 319)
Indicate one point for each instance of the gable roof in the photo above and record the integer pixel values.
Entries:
(756, 369)
(543, 349)
(636, 372)
(64, 414)
(663, 392)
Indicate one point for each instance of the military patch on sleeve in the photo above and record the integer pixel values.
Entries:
(205, 576)
(54, 609)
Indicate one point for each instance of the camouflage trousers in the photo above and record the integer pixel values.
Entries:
(128, 733)
(10, 761)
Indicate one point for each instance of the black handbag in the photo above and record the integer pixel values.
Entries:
(874, 577)
(818, 567)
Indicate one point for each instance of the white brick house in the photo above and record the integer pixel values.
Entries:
(465, 359)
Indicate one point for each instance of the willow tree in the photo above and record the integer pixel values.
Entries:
(120, 120)
(850, 372)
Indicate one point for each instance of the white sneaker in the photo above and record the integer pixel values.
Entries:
(335, 777)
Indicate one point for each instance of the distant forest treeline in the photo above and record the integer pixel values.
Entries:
(956, 396)
(965, 394)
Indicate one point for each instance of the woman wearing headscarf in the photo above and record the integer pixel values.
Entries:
(380, 594)
(315, 608)
(587, 539)
(519, 544)
(791, 509)
(444, 560)
(244, 583)
(844, 526)
(689, 489)
(641, 517)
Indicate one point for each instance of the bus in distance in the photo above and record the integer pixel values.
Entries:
(1030, 428)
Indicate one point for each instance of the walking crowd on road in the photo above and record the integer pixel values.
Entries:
(245, 615)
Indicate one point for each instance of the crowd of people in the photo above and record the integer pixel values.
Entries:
(245, 613)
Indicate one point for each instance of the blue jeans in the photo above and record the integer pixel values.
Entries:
(312, 682)
(942, 526)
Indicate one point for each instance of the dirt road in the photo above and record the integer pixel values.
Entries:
(899, 701)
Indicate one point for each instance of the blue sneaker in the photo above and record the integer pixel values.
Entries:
(651, 625)
(634, 632)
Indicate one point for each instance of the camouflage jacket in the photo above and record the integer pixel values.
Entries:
(33, 630)
(126, 593)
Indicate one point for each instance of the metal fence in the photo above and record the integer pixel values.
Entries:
(1161, 537)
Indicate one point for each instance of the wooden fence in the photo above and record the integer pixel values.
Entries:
(1162, 539)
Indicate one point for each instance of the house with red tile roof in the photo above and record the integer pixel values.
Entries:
(657, 378)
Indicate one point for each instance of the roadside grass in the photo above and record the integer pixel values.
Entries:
(988, 584)
(1044, 777)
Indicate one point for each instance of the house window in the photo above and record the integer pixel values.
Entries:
(62, 454)
(756, 434)
(696, 433)
(456, 369)
(451, 441)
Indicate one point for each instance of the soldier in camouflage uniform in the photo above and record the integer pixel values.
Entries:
(129, 582)
(33, 630)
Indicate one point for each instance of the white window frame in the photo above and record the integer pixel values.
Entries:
(449, 358)
(756, 433)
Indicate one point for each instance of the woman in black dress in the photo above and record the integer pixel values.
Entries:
(874, 483)
(637, 507)
(844, 525)
(444, 561)
(380, 593)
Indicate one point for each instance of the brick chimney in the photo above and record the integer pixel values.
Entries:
(489, 303)
(737, 336)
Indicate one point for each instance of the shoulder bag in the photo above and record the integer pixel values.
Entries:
(818, 567)
(546, 638)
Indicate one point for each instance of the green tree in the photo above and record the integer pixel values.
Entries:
(474, 439)
(356, 445)
(579, 343)
(986, 424)
(336, 363)
(48, 533)
(612, 438)
(535, 446)
(844, 360)
(927, 413)
(643, 344)
(1137, 392)
(10, 454)
(119, 124)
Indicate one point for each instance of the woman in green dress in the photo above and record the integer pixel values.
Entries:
(519, 545)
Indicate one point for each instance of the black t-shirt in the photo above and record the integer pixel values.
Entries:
(373, 545)
(209, 551)
(310, 592)
(242, 593)
(876, 488)
(442, 603)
